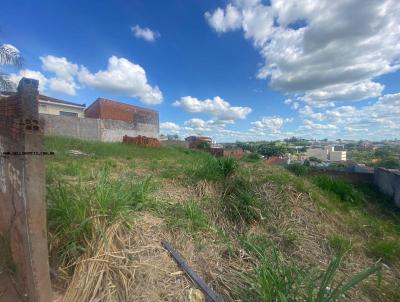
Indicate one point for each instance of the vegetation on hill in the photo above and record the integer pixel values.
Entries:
(387, 157)
(253, 232)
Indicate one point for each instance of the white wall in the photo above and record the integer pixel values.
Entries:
(54, 109)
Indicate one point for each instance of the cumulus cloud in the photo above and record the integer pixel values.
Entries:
(319, 47)
(270, 123)
(60, 66)
(122, 77)
(378, 120)
(144, 33)
(170, 126)
(224, 20)
(216, 108)
(65, 72)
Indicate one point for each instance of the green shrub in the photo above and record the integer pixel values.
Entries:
(298, 169)
(344, 190)
(251, 158)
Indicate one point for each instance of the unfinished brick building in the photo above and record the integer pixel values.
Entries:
(113, 110)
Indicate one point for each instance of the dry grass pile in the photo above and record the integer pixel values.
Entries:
(128, 263)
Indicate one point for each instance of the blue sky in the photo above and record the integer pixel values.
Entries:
(235, 70)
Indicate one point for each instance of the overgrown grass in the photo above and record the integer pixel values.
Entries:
(387, 250)
(111, 182)
(276, 279)
(76, 211)
(339, 244)
(239, 201)
(213, 169)
(342, 189)
(298, 169)
(188, 216)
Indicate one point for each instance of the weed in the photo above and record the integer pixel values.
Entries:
(74, 210)
(344, 190)
(298, 169)
(251, 158)
(388, 250)
(339, 244)
(73, 168)
(214, 169)
(239, 201)
(274, 279)
(189, 216)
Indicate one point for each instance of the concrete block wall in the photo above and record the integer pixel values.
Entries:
(95, 129)
(388, 182)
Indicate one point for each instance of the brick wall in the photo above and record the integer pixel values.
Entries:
(112, 110)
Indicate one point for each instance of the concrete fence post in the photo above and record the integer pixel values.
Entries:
(22, 192)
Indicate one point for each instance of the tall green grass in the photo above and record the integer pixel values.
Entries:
(275, 279)
(76, 211)
(342, 189)
(213, 168)
(239, 201)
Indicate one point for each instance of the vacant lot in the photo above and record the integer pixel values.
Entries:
(253, 232)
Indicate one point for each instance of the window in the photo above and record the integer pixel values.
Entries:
(66, 113)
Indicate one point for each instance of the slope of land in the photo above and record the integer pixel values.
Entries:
(253, 232)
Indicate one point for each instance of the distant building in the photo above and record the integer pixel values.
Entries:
(53, 106)
(195, 141)
(328, 153)
(113, 110)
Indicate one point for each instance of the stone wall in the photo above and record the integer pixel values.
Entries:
(22, 197)
(388, 181)
(95, 129)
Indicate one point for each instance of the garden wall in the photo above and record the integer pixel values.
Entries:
(388, 181)
(95, 129)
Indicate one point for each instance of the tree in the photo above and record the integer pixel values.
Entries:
(9, 55)
(272, 149)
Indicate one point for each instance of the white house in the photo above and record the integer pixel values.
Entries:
(327, 153)
(53, 106)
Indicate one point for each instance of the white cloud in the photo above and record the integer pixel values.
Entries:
(376, 121)
(314, 47)
(122, 77)
(170, 126)
(224, 20)
(270, 123)
(32, 74)
(65, 72)
(216, 108)
(62, 85)
(60, 66)
(144, 33)
(343, 92)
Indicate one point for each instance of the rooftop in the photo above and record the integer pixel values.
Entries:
(54, 100)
